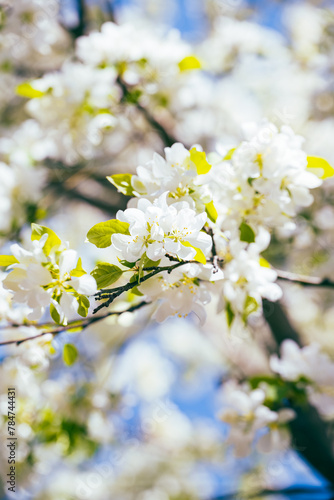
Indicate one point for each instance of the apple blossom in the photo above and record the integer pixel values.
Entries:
(159, 229)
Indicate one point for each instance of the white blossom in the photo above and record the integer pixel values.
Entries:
(247, 414)
(38, 280)
(159, 229)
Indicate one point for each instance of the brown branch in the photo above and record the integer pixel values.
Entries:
(73, 324)
(80, 28)
(215, 258)
(113, 293)
(304, 280)
(167, 138)
(310, 433)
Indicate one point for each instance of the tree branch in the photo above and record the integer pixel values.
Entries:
(304, 280)
(113, 293)
(295, 490)
(310, 433)
(73, 324)
(79, 29)
(167, 138)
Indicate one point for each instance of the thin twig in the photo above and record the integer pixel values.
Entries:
(112, 294)
(304, 280)
(215, 258)
(73, 324)
(167, 138)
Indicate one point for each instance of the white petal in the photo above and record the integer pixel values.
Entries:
(85, 284)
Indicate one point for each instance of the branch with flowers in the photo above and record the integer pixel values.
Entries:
(192, 233)
(194, 228)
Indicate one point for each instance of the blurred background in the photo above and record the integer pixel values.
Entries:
(136, 417)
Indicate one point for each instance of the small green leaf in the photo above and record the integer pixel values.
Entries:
(83, 305)
(55, 314)
(211, 211)
(26, 90)
(135, 291)
(78, 271)
(322, 168)
(122, 182)
(7, 260)
(189, 63)
(199, 257)
(134, 278)
(229, 314)
(250, 306)
(70, 354)
(199, 159)
(229, 154)
(52, 241)
(126, 263)
(246, 233)
(100, 234)
(106, 274)
(145, 262)
(132, 97)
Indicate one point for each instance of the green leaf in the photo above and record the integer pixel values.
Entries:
(54, 314)
(322, 168)
(52, 241)
(229, 154)
(132, 97)
(229, 314)
(250, 306)
(145, 262)
(7, 260)
(106, 274)
(26, 90)
(78, 271)
(211, 211)
(126, 263)
(83, 305)
(135, 291)
(70, 354)
(100, 234)
(246, 233)
(199, 257)
(199, 159)
(189, 63)
(134, 278)
(122, 182)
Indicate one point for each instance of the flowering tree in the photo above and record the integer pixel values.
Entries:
(141, 182)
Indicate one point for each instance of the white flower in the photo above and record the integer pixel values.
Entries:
(314, 366)
(157, 229)
(39, 280)
(75, 110)
(278, 437)
(308, 361)
(247, 415)
(245, 276)
(86, 285)
(28, 278)
(178, 293)
(131, 44)
(266, 182)
(176, 174)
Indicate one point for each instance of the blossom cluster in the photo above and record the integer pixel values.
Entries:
(48, 275)
(217, 201)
